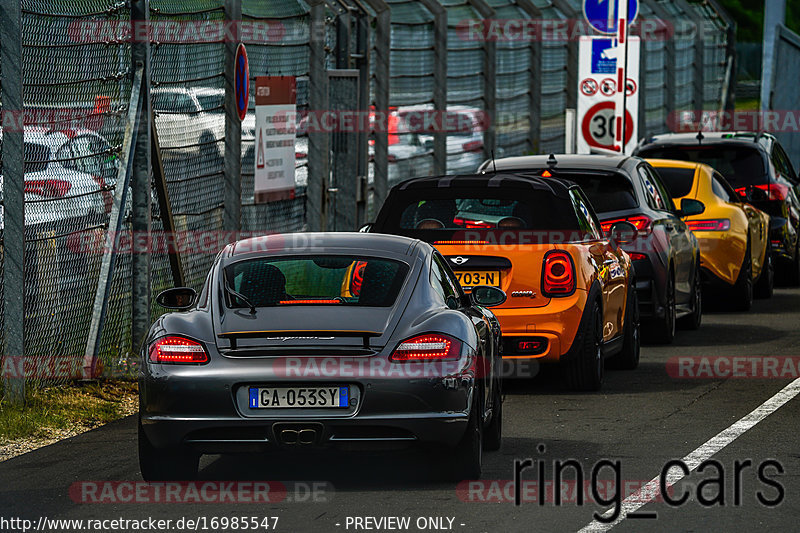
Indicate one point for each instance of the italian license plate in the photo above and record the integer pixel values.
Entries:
(473, 278)
(299, 397)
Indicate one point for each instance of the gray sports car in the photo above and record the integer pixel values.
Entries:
(311, 340)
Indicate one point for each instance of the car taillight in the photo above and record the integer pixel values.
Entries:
(558, 274)
(775, 191)
(178, 350)
(636, 256)
(48, 188)
(718, 224)
(473, 146)
(472, 224)
(642, 223)
(429, 347)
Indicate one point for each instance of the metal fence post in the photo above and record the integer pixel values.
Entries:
(381, 75)
(141, 262)
(232, 170)
(698, 74)
(439, 81)
(13, 198)
(318, 141)
(535, 95)
(489, 82)
(572, 55)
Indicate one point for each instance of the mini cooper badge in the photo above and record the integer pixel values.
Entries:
(523, 294)
(458, 260)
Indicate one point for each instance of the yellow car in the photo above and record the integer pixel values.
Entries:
(733, 235)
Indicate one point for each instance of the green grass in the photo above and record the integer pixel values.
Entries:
(85, 405)
(748, 105)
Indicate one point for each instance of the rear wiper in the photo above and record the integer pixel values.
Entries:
(238, 296)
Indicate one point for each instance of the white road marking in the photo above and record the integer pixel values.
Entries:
(650, 490)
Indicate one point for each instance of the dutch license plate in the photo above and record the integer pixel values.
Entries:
(473, 278)
(298, 397)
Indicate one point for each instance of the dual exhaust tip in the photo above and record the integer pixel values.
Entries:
(297, 435)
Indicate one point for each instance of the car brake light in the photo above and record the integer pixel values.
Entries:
(429, 347)
(48, 188)
(558, 274)
(641, 223)
(775, 191)
(177, 350)
(636, 256)
(719, 224)
(309, 302)
(473, 146)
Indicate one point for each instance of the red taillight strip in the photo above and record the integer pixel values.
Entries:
(428, 347)
(309, 302)
(640, 222)
(719, 224)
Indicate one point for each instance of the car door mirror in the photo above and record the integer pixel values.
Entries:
(623, 232)
(366, 228)
(755, 194)
(690, 207)
(487, 296)
(776, 223)
(177, 298)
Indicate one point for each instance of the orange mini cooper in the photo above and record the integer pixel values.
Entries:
(733, 235)
(570, 289)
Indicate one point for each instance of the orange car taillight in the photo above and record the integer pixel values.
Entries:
(719, 224)
(428, 347)
(178, 350)
(558, 274)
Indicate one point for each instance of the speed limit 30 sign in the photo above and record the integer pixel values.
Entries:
(598, 90)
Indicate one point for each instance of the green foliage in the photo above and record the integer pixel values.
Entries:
(749, 17)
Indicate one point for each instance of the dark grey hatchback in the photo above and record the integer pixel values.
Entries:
(314, 340)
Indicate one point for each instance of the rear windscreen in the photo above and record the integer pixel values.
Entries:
(740, 165)
(435, 214)
(678, 180)
(315, 280)
(606, 192)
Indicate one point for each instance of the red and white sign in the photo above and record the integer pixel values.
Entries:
(599, 124)
(276, 123)
(589, 87)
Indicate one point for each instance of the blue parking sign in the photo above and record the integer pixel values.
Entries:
(602, 14)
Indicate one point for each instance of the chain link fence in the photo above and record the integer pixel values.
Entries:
(511, 93)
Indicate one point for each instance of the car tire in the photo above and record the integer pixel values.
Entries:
(793, 276)
(742, 294)
(628, 358)
(165, 465)
(663, 331)
(766, 280)
(585, 371)
(493, 434)
(465, 461)
(692, 320)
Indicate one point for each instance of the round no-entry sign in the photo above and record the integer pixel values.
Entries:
(242, 81)
(597, 126)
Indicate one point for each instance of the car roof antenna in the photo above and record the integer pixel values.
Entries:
(494, 166)
(700, 137)
(551, 161)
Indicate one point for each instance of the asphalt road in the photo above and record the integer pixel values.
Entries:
(643, 419)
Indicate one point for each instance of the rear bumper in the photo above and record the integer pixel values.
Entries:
(650, 283)
(558, 322)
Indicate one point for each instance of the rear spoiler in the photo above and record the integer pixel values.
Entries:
(233, 336)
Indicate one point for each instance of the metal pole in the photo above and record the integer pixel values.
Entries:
(535, 80)
(13, 197)
(489, 83)
(572, 54)
(140, 187)
(383, 29)
(439, 81)
(774, 14)
(318, 141)
(114, 225)
(232, 170)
